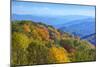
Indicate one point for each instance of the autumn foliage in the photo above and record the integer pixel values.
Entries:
(38, 43)
(58, 54)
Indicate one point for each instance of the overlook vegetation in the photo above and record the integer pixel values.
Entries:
(38, 43)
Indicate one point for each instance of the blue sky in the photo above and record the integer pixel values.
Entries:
(46, 9)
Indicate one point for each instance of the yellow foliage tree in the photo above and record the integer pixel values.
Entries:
(58, 55)
(20, 39)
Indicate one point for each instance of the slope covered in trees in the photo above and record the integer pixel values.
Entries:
(38, 43)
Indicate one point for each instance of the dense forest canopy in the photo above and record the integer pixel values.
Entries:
(38, 43)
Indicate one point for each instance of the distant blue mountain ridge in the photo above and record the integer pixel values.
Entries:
(79, 27)
(91, 38)
(49, 20)
(84, 28)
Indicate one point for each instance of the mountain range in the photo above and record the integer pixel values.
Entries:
(76, 25)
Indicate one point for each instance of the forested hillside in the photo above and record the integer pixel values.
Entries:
(38, 43)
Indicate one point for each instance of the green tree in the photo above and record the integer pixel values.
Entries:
(19, 43)
(85, 52)
(37, 53)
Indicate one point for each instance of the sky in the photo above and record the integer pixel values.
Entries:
(50, 9)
